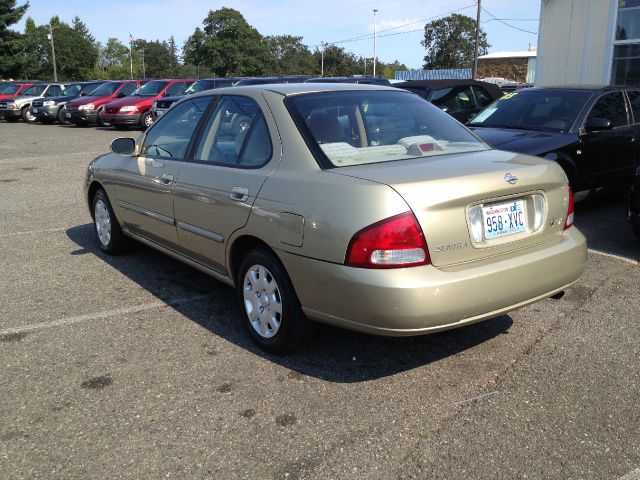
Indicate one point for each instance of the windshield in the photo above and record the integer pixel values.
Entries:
(105, 89)
(547, 110)
(361, 127)
(151, 89)
(72, 90)
(8, 88)
(35, 90)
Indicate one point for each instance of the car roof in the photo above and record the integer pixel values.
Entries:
(454, 82)
(287, 89)
(591, 87)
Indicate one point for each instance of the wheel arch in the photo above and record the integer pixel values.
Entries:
(91, 191)
(239, 248)
(568, 165)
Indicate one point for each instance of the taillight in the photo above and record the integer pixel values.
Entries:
(397, 241)
(569, 220)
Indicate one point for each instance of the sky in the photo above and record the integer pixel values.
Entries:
(347, 23)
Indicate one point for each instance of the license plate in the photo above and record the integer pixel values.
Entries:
(67, 115)
(34, 110)
(159, 113)
(502, 219)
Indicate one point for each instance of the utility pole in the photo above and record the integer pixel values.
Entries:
(144, 73)
(474, 73)
(53, 54)
(323, 44)
(365, 66)
(375, 54)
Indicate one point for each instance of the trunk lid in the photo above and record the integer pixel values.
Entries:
(452, 196)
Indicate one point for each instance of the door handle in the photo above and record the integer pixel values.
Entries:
(164, 179)
(239, 194)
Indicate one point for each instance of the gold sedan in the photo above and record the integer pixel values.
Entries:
(359, 206)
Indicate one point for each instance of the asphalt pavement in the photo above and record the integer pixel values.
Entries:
(136, 366)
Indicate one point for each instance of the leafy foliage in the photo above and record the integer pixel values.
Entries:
(450, 42)
(11, 60)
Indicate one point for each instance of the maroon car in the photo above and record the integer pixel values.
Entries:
(136, 108)
(86, 110)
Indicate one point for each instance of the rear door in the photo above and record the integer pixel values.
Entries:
(145, 184)
(216, 190)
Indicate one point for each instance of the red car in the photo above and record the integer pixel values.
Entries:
(13, 89)
(136, 108)
(86, 110)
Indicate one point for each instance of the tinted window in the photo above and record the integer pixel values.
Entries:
(54, 91)
(10, 89)
(72, 90)
(552, 110)
(422, 92)
(176, 89)
(89, 88)
(151, 89)
(611, 107)
(361, 127)
(170, 136)
(236, 134)
(634, 98)
(454, 99)
(35, 90)
(128, 88)
(105, 89)
(483, 99)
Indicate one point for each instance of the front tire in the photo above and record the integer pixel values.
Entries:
(106, 227)
(146, 120)
(269, 305)
(27, 116)
(60, 117)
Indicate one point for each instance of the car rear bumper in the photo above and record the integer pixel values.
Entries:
(120, 119)
(419, 300)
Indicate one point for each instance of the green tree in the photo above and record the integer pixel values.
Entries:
(174, 62)
(76, 50)
(450, 42)
(233, 47)
(11, 44)
(291, 56)
(157, 59)
(338, 62)
(113, 60)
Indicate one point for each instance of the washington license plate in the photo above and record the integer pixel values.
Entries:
(67, 115)
(502, 219)
(34, 110)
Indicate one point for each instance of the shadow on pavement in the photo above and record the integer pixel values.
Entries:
(334, 355)
(603, 221)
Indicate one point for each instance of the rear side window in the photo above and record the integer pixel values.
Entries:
(634, 98)
(54, 91)
(236, 135)
(170, 136)
(454, 99)
(611, 107)
(482, 97)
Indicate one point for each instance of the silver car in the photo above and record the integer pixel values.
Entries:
(359, 206)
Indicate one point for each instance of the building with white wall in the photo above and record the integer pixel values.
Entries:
(589, 42)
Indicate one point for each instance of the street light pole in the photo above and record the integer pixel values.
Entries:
(474, 73)
(53, 54)
(375, 54)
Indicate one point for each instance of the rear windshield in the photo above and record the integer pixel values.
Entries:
(151, 89)
(545, 110)
(362, 127)
(106, 89)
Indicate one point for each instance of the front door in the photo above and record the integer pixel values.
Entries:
(145, 184)
(216, 190)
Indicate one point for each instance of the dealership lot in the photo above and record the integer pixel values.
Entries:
(137, 367)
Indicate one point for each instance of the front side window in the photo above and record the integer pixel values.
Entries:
(362, 127)
(236, 135)
(634, 98)
(454, 99)
(170, 136)
(611, 107)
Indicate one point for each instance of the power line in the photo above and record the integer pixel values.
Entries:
(507, 24)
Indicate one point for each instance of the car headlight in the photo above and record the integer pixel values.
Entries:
(88, 106)
(129, 108)
(48, 103)
(12, 106)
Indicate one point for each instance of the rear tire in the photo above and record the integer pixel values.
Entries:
(106, 227)
(269, 305)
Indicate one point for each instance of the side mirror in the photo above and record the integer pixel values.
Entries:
(598, 124)
(83, 94)
(121, 95)
(123, 146)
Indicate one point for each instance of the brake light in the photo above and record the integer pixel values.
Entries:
(569, 222)
(395, 242)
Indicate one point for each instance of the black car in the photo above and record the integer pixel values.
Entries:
(591, 131)
(367, 80)
(48, 110)
(462, 99)
(634, 203)
(162, 105)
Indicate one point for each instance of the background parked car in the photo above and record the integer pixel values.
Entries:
(161, 105)
(462, 99)
(592, 132)
(266, 80)
(634, 203)
(86, 110)
(48, 110)
(14, 88)
(18, 107)
(135, 109)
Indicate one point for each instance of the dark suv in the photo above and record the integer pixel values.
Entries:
(48, 110)
(161, 105)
